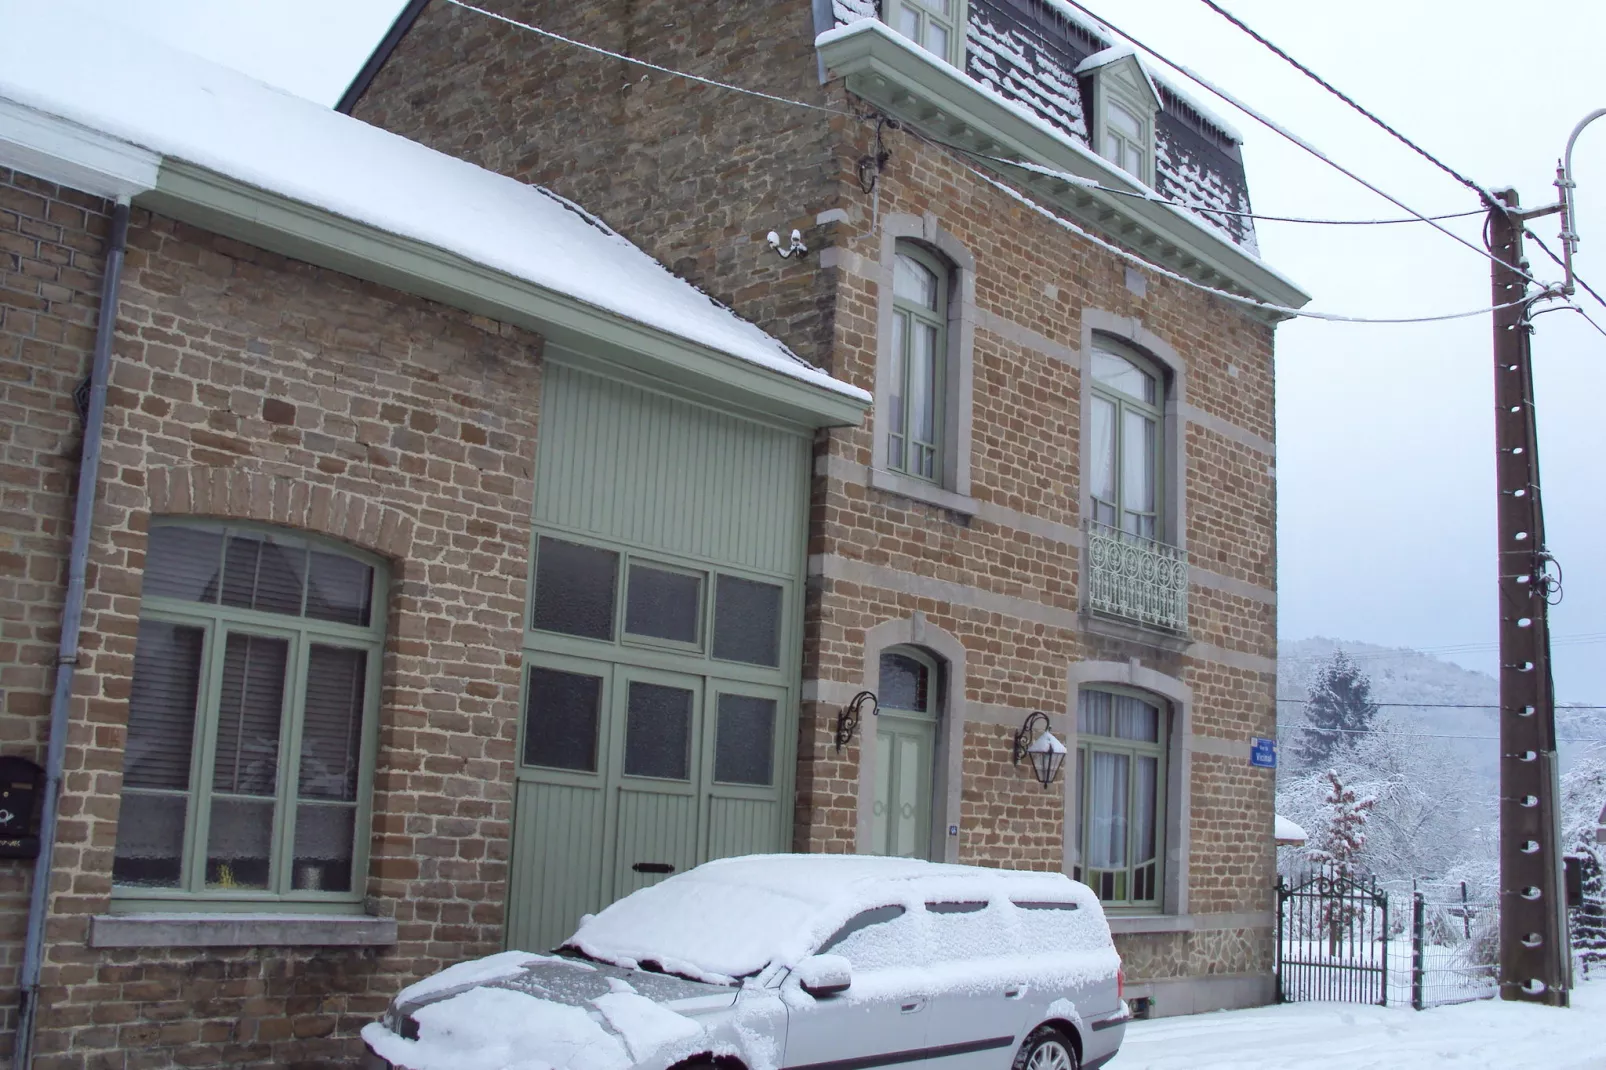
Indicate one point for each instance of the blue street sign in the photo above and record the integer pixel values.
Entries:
(1263, 752)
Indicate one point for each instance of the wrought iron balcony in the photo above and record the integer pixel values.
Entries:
(1136, 579)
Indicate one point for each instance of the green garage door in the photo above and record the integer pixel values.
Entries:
(661, 652)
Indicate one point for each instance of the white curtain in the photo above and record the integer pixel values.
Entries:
(1108, 824)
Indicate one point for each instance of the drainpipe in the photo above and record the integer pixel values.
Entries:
(72, 612)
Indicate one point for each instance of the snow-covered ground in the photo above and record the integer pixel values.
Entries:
(1485, 1035)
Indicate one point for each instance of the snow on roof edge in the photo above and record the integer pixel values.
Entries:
(187, 108)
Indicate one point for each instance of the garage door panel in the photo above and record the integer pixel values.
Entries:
(655, 831)
(557, 871)
(741, 827)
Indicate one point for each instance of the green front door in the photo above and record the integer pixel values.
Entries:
(906, 745)
(660, 663)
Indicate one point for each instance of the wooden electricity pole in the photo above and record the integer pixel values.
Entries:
(1535, 960)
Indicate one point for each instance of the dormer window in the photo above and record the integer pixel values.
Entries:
(1124, 104)
(938, 26)
(1124, 139)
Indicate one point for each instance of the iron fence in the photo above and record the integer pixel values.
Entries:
(1350, 939)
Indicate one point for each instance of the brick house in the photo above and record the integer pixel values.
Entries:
(555, 576)
(1064, 499)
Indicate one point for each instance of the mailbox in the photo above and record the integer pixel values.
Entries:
(19, 798)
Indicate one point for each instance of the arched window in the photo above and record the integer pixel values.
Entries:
(906, 748)
(251, 719)
(917, 401)
(1127, 418)
(1120, 789)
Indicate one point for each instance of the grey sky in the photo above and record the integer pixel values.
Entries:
(1385, 467)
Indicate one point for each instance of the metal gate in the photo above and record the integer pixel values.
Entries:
(1332, 939)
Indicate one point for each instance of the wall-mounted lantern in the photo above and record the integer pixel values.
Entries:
(848, 717)
(1036, 742)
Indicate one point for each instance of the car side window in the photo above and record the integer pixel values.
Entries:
(874, 939)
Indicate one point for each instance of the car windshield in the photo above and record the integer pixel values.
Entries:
(699, 927)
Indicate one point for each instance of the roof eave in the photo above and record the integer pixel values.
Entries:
(936, 98)
(269, 221)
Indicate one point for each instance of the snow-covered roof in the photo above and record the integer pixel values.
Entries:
(733, 917)
(1034, 53)
(1287, 832)
(70, 64)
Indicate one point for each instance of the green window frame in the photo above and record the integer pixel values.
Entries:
(253, 722)
(938, 26)
(918, 369)
(1127, 439)
(1120, 787)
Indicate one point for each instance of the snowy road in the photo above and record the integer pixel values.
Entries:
(1488, 1035)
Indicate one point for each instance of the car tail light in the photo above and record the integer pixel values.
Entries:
(1120, 982)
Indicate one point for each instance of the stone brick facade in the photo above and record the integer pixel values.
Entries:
(697, 175)
(248, 386)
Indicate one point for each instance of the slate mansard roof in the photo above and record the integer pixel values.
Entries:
(1027, 51)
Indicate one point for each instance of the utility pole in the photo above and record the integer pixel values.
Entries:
(1535, 959)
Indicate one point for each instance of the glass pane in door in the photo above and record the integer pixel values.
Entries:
(574, 589)
(658, 731)
(664, 604)
(747, 621)
(744, 743)
(562, 712)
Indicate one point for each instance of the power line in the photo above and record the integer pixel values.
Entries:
(1347, 99)
(1425, 735)
(1562, 264)
(1228, 294)
(651, 66)
(1438, 705)
(1281, 131)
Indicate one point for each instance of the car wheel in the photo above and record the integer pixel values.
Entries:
(1046, 1049)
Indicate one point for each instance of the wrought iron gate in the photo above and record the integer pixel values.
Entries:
(1332, 939)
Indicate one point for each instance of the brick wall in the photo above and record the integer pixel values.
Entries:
(50, 267)
(250, 386)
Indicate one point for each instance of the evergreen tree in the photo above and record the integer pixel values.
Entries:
(1338, 711)
(1588, 920)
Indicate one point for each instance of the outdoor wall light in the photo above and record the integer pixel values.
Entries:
(848, 717)
(1046, 753)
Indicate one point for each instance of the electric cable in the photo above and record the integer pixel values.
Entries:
(1439, 705)
(1347, 99)
(643, 63)
(1281, 728)
(1562, 264)
(1239, 298)
(1281, 131)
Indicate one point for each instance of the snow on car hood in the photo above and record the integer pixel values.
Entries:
(517, 1011)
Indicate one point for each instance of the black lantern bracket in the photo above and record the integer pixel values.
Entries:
(849, 716)
(1036, 742)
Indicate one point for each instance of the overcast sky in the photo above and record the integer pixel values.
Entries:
(1385, 433)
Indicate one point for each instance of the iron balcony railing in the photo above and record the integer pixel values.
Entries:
(1136, 579)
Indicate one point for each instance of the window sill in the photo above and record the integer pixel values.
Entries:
(240, 930)
(921, 491)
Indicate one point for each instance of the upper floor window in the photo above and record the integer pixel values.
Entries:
(916, 400)
(1124, 139)
(938, 26)
(1120, 791)
(1125, 414)
(251, 717)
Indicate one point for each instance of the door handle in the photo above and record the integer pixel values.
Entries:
(653, 867)
(1013, 992)
(913, 1006)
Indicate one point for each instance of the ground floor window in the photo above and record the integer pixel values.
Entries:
(249, 756)
(1120, 791)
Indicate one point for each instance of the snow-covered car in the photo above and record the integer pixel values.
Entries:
(788, 962)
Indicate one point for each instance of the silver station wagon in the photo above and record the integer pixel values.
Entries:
(788, 962)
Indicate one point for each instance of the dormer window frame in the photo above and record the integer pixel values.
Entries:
(1123, 84)
(926, 13)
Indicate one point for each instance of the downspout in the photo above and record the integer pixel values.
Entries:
(72, 612)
